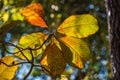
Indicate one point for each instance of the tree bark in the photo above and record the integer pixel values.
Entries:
(113, 13)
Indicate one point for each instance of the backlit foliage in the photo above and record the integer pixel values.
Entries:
(7, 72)
(68, 34)
(57, 46)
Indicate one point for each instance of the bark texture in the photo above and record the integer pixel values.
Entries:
(113, 12)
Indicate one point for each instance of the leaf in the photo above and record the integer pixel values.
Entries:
(5, 17)
(79, 26)
(7, 73)
(52, 60)
(34, 41)
(75, 51)
(34, 14)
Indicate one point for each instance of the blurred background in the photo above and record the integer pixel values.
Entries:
(97, 68)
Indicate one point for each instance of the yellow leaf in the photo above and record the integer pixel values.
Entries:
(34, 41)
(7, 73)
(76, 52)
(5, 16)
(34, 14)
(79, 26)
(52, 60)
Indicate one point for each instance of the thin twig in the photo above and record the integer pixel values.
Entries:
(16, 64)
(19, 48)
(32, 65)
(37, 65)
(21, 51)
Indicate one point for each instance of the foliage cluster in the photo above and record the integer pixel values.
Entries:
(50, 42)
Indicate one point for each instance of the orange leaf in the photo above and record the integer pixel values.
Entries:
(34, 14)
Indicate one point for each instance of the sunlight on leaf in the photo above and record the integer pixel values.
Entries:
(7, 73)
(34, 14)
(34, 41)
(52, 60)
(71, 56)
(65, 44)
(53, 47)
(79, 26)
(5, 17)
(76, 52)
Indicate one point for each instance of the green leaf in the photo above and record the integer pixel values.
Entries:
(79, 26)
(52, 60)
(7, 73)
(34, 41)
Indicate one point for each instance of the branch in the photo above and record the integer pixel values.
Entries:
(32, 65)
(21, 51)
(19, 48)
(16, 64)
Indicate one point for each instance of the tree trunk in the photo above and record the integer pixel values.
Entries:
(113, 13)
